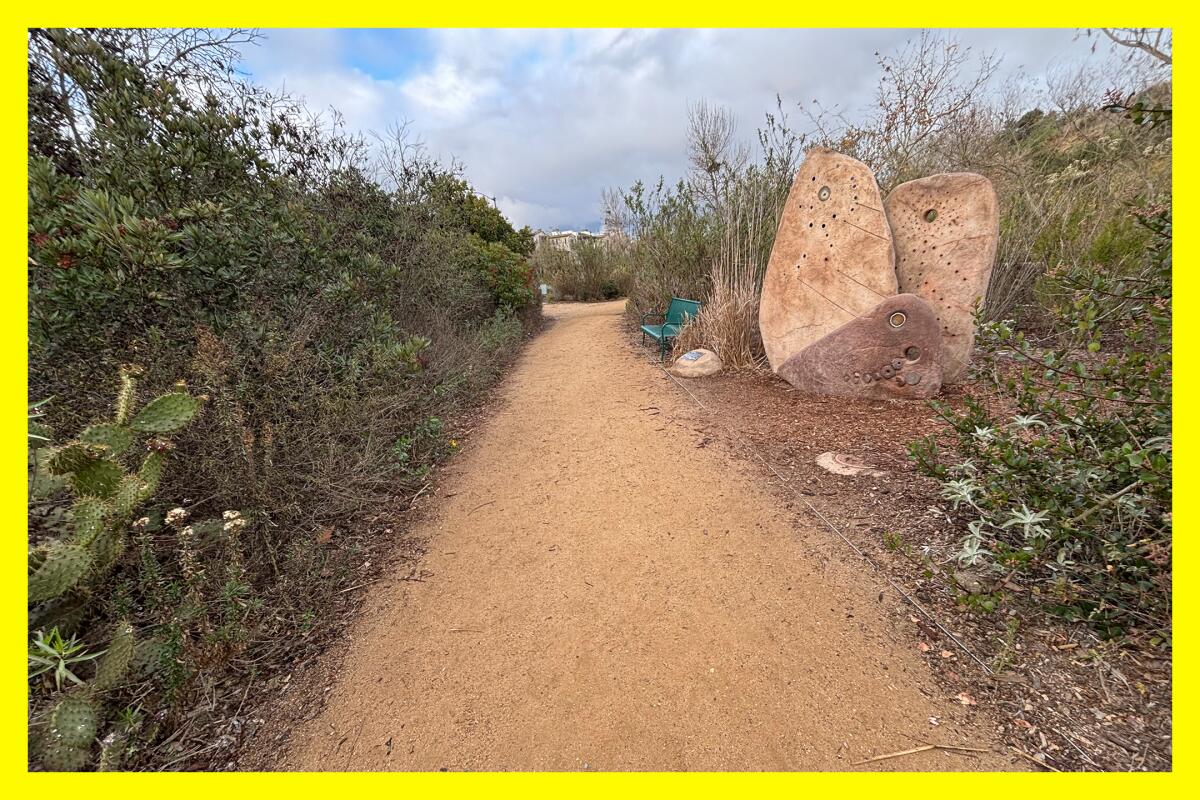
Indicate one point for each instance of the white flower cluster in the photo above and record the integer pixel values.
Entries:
(176, 515)
(234, 521)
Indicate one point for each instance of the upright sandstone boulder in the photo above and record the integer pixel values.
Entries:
(832, 259)
(892, 352)
(945, 229)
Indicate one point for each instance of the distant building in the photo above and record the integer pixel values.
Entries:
(566, 240)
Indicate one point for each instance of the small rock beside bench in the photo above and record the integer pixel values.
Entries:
(696, 364)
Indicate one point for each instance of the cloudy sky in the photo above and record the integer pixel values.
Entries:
(544, 120)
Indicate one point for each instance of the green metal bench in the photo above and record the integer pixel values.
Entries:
(677, 314)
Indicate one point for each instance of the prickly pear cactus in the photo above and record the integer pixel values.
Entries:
(74, 722)
(97, 477)
(149, 656)
(127, 392)
(115, 438)
(63, 567)
(165, 414)
(64, 574)
(106, 549)
(151, 471)
(114, 664)
(88, 517)
(73, 456)
(58, 757)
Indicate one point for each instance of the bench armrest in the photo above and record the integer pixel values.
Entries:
(653, 314)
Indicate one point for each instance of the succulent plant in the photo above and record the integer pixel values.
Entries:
(74, 721)
(63, 567)
(116, 438)
(88, 516)
(59, 757)
(114, 664)
(165, 414)
(107, 497)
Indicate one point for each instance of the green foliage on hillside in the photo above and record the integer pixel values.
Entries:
(1065, 483)
(208, 231)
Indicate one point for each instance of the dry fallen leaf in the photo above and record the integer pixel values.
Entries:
(924, 648)
(946, 654)
(966, 699)
(325, 536)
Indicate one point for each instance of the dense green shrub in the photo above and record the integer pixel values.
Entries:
(590, 270)
(1066, 482)
(204, 229)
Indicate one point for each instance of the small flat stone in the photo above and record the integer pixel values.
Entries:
(842, 464)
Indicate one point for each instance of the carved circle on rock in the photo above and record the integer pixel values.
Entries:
(887, 371)
(931, 215)
(823, 195)
(913, 353)
(897, 319)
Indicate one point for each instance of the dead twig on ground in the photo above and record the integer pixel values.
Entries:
(1028, 757)
(922, 749)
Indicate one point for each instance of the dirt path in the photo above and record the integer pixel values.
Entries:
(603, 593)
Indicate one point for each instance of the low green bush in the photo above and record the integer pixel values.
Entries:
(1064, 481)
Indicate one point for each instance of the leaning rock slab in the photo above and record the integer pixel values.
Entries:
(945, 229)
(832, 259)
(893, 351)
(696, 364)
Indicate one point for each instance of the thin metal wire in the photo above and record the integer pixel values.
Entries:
(874, 564)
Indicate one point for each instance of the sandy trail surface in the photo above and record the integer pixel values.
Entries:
(605, 589)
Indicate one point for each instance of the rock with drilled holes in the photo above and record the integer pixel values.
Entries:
(945, 229)
(891, 352)
(696, 364)
(832, 259)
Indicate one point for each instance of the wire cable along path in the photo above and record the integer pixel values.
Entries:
(874, 564)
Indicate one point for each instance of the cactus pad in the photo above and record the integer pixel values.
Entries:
(151, 471)
(149, 656)
(59, 757)
(114, 664)
(96, 477)
(127, 495)
(64, 566)
(74, 722)
(88, 515)
(114, 437)
(71, 457)
(165, 414)
(106, 549)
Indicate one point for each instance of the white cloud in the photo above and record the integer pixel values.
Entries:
(446, 92)
(546, 119)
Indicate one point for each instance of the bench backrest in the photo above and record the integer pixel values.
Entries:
(680, 310)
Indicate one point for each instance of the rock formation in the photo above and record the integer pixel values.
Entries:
(832, 259)
(893, 351)
(945, 229)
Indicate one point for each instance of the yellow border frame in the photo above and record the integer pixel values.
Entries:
(639, 13)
